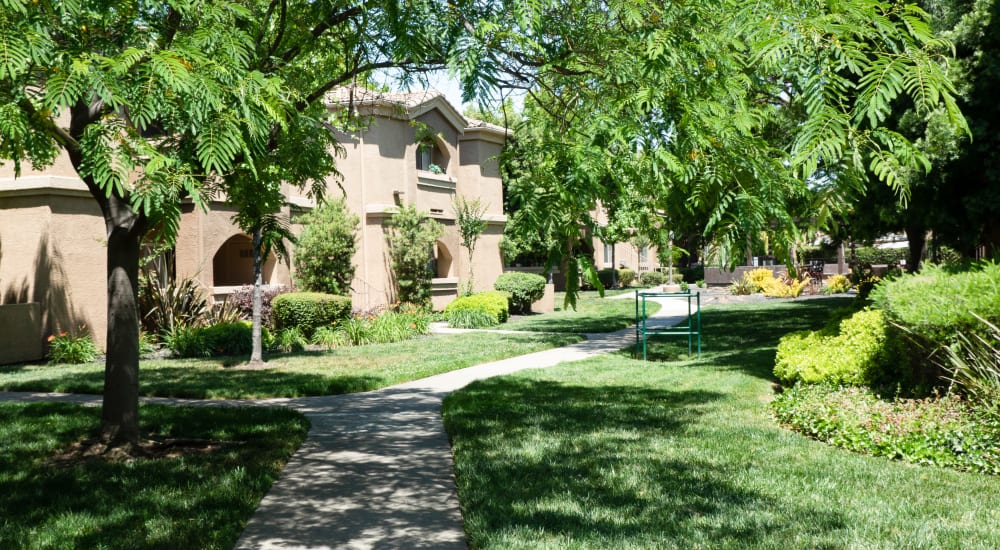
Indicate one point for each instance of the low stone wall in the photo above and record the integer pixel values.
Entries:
(717, 276)
(21, 333)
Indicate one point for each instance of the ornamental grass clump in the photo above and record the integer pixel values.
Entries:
(72, 349)
(974, 367)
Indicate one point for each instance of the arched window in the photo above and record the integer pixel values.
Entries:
(430, 157)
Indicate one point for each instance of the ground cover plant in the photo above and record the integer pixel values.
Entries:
(614, 452)
(592, 314)
(200, 500)
(943, 431)
(343, 370)
(926, 368)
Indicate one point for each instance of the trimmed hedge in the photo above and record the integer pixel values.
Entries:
(523, 288)
(624, 277)
(213, 340)
(936, 306)
(493, 303)
(652, 278)
(308, 311)
(854, 351)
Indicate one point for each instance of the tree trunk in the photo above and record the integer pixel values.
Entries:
(120, 410)
(257, 352)
(614, 268)
(125, 228)
(917, 238)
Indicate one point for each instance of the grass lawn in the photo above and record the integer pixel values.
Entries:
(592, 314)
(619, 453)
(344, 370)
(202, 500)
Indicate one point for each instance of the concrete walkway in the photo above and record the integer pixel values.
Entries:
(376, 470)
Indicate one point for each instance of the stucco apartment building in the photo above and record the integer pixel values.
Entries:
(52, 253)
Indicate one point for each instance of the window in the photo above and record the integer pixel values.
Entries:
(425, 155)
(609, 253)
(643, 254)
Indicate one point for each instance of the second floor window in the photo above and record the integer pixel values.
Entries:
(425, 156)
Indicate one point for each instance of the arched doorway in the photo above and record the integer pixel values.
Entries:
(441, 261)
(232, 264)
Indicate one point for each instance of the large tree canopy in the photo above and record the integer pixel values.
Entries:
(726, 110)
(155, 102)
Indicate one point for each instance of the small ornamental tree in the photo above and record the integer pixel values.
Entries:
(470, 215)
(411, 236)
(325, 249)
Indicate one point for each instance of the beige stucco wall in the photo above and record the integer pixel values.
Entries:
(52, 251)
(21, 338)
(380, 173)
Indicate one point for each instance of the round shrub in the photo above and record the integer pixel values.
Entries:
(855, 351)
(209, 341)
(492, 303)
(523, 288)
(652, 278)
(308, 311)
(935, 305)
(626, 277)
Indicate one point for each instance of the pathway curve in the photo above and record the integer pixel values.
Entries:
(376, 470)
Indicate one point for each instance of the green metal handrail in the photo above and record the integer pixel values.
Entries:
(691, 329)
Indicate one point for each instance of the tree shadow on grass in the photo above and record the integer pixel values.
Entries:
(199, 501)
(204, 383)
(593, 465)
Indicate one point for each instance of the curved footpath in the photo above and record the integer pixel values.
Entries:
(376, 470)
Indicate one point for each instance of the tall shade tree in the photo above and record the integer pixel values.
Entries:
(725, 109)
(155, 102)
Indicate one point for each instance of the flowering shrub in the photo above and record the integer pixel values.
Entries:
(759, 279)
(763, 280)
(67, 348)
(836, 284)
